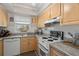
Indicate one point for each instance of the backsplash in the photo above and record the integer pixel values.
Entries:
(47, 30)
(68, 28)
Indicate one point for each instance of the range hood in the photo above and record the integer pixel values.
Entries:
(53, 21)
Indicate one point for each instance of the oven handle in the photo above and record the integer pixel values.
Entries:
(44, 47)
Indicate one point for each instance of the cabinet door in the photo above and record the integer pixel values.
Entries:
(24, 45)
(3, 17)
(1, 48)
(70, 13)
(46, 14)
(55, 10)
(56, 52)
(33, 44)
(40, 21)
(5, 21)
(35, 20)
(28, 44)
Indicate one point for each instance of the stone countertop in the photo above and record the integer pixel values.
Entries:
(67, 49)
(20, 35)
(0, 38)
(17, 36)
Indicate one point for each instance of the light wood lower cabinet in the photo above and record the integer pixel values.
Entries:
(28, 44)
(33, 44)
(24, 45)
(1, 48)
(56, 52)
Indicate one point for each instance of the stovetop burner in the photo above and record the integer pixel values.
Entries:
(50, 40)
(55, 39)
(49, 37)
(44, 38)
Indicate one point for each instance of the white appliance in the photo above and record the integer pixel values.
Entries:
(11, 46)
(44, 42)
(44, 45)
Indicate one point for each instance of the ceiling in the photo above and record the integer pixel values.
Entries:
(27, 9)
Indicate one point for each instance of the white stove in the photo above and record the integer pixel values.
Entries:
(44, 44)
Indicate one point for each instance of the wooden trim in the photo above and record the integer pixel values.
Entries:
(2, 46)
(61, 13)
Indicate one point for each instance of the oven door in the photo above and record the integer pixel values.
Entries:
(43, 51)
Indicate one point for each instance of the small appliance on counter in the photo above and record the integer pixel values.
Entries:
(4, 32)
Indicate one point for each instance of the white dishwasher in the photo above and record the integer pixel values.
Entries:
(11, 46)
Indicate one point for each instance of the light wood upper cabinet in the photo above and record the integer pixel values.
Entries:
(3, 17)
(69, 13)
(35, 20)
(46, 13)
(5, 22)
(55, 10)
(1, 48)
(44, 16)
(40, 21)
